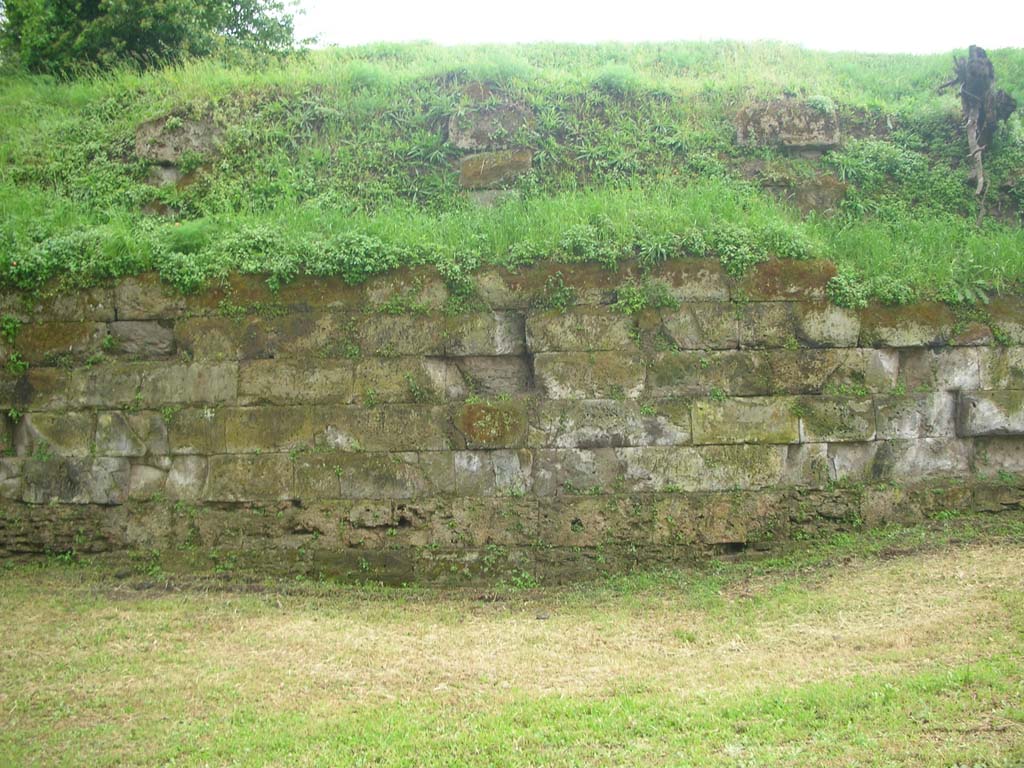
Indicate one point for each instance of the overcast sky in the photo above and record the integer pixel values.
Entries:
(863, 25)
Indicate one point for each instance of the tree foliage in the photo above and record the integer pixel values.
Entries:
(64, 36)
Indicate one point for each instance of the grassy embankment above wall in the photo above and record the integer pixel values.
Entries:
(338, 163)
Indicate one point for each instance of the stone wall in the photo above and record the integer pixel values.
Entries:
(542, 433)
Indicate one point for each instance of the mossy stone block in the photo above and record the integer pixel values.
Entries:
(593, 375)
(759, 420)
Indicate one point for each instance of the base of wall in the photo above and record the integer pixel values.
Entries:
(464, 541)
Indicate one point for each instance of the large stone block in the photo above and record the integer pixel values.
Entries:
(845, 372)
(702, 468)
(491, 424)
(594, 375)
(142, 339)
(582, 329)
(284, 382)
(596, 522)
(998, 456)
(488, 124)
(912, 416)
(407, 380)
(105, 386)
(684, 374)
(165, 384)
(187, 478)
(900, 460)
(493, 473)
(269, 477)
(990, 413)
(767, 324)
(915, 325)
(484, 522)
(75, 480)
(788, 123)
(835, 419)
(577, 471)
(787, 280)
(610, 423)
(52, 305)
(1007, 313)
(1001, 368)
(766, 420)
(941, 369)
(120, 433)
(485, 333)
(60, 434)
(374, 475)
(196, 431)
(489, 376)
(691, 279)
(390, 335)
(493, 169)
(299, 335)
(823, 324)
(390, 427)
(50, 343)
(144, 297)
(702, 325)
(275, 429)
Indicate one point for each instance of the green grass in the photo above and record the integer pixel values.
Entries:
(335, 162)
(892, 647)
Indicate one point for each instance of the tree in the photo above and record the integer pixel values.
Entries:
(64, 36)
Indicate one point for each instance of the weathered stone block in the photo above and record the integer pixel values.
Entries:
(941, 369)
(142, 338)
(422, 288)
(535, 287)
(75, 480)
(485, 333)
(995, 456)
(835, 419)
(284, 382)
(594, 375)
(917, 325)
(144, 297)
(250, 478)
(258, 338)
(196, 431)
(766, 420)
(374, 475)
(187, 478)
(48, 343)
(493, 473)
(694, 279)
(788, 123)
(80, 305)
(167, 384)
(767, 324)
(610, 424)
(489, 376)
(484, 522)
(131, 434)
(488, 126)
(390, 335)
(1001, 368)
(407, 380)
(682, 374)
(1007, 313)
(596, 522)
(167, 140)
(500, 424)
(144, 481)
(576, 471)
(702, 325)
(390, 427)
(990, 413)
(582, 329)
(272, 429)
(787, 280)
(702, 468)
(900, 460)
(822, 324)
(912, 416)
(61, 434)
(493, 169)
(846, 372)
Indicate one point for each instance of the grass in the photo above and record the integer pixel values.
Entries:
(334, 162)
(900, 646)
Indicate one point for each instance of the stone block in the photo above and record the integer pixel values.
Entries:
(998, 456)
(142, 339)
(50, 343)
(195, 383)
(1001, 368)
(169, 139)
(690, 279)
(489, 125)
(702, 325)
(596, 522)
(702, 468)
(581, 329)
(58, 434)
(144, 481)
(835, 419)
(493, 522)
(268, 477)
(610, 423)
(299, 335)
(577, 471)
(491, 424)
(285, 382)
(926, 324)
(493, 473)
(900, 460)
(53, 305)
(941, 369)
(494, 169)
(593, 375)
(187, 478)
(422, 288)
(823, 324)
(763, 420)
(101, 481)
(390, 335)
(788, 123)
(196, 431)
(270, 429)
(374, 475)
(912, 416)
(767, 324)
(786, 280)
(110, 385)
(485, 333)
(685, 374)
(536, 286)
(390, 427)
(990, 413)
(120, 433)
(144, 297)
(407, 380)
(489, 376)
(845, 372)
(1007, 314)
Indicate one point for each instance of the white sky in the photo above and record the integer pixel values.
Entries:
(862, 25)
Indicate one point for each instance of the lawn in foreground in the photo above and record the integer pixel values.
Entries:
(901, 647)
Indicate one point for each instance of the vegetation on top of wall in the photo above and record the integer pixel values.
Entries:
(336, 162)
